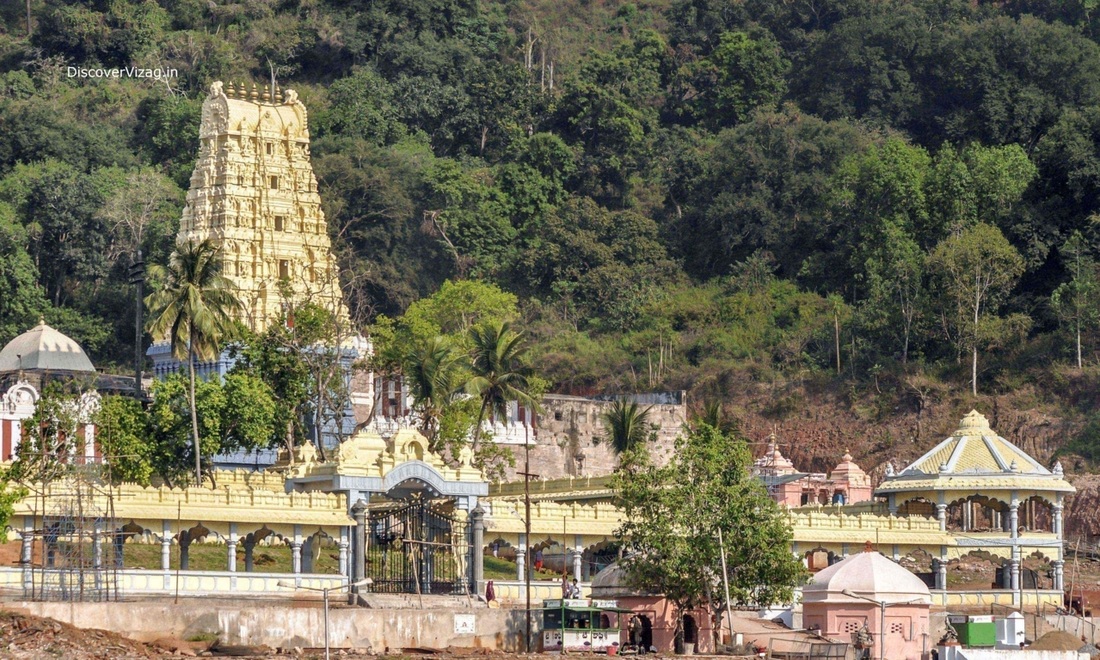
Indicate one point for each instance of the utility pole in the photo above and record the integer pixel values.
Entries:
(527, 531)
(137, 278)
(726, 583)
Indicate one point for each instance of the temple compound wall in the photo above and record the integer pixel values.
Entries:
(571, 440)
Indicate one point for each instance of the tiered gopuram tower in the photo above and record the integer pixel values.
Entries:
(254, 193)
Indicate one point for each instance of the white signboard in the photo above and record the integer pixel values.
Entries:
(464, 624)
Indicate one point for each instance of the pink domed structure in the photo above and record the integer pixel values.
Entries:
(868, 599)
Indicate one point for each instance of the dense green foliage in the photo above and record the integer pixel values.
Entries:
(678, 193)
(680, 518)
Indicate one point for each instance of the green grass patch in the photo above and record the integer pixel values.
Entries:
(502, 569)
(214, 557)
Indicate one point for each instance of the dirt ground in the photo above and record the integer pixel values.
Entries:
(26, 637)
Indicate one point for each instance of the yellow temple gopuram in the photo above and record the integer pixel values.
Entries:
(254, 193)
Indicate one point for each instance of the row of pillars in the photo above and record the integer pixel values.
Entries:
(301, 551)
(1011, 577)
(576, 554)
(301, 562)
(1009, 523)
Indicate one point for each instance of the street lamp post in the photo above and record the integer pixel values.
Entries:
(324, 591)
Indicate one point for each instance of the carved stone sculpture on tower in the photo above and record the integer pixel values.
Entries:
(247, 191)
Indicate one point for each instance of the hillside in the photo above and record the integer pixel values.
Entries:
(853, 219)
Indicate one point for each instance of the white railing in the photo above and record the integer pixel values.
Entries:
(138, 581)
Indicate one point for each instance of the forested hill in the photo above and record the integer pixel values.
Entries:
(682, 194)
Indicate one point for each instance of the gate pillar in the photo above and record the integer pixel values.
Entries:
(359, 545)
(477, 547)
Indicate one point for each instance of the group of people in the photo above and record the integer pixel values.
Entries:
(570, 590)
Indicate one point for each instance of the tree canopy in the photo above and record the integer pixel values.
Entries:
(680, 517)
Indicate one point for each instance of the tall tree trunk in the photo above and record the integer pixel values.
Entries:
(974, 371)
(480, 419)
(836, 330)
(194, 412)
(974, 338)
(1079, 366)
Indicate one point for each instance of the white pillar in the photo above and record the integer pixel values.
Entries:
(940, 569)
(941, 515)
(342, 544)
(97, 544)
(1014, 519)
(26, 553)
(578, 555)
(1057, 508)
(231, 548)
(1014, 567)
(296, 556)
(165, 546)
(27, 547)
(296, 550)
(521, 557)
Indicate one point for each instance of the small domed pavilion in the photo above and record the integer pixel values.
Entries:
(29, 361)
(43, 350)
(997, 500)
(868, 592)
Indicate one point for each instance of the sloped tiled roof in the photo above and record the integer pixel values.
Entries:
(974, 455)
(974, 448)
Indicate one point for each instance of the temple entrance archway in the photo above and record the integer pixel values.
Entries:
(417, 546)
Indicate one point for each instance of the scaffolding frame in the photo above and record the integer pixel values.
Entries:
(74, 553)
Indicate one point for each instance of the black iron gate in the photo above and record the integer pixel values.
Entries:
(417, 548)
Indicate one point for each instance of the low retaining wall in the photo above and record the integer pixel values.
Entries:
(959, 653)
(300, 624)
(139, 581)
(514, 591)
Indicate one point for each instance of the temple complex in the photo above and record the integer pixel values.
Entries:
(846, 484)
(253, 192)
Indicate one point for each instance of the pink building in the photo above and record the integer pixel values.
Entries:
(846, 484)
(655, 613)
(867, 596)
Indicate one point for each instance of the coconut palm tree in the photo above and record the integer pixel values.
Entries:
(714, 415)
(434, 373)
(194, 311)
(500, 373)
(626, 424)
